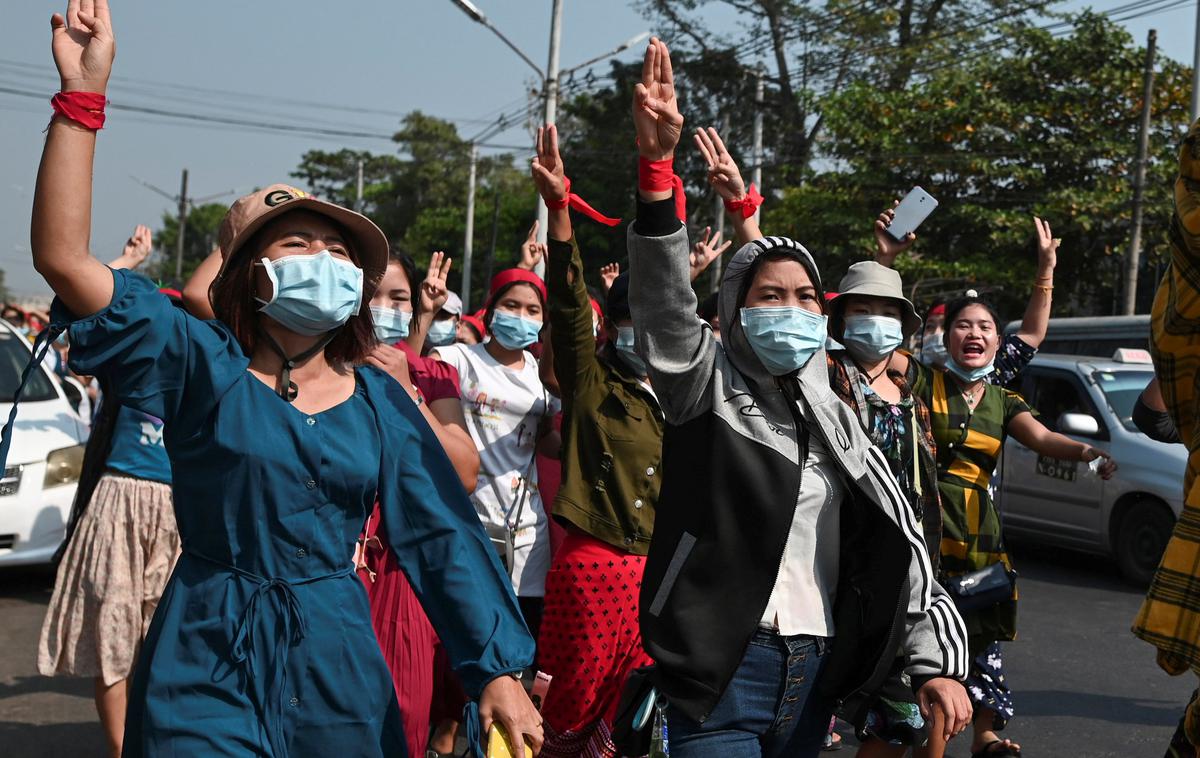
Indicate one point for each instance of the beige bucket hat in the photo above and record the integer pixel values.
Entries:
(870, 279)
(248, 214)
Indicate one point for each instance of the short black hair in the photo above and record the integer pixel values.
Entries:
(707, 309)
(406, 262)
(616, 303)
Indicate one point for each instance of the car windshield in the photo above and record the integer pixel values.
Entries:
(14, 355)
(1121, 389)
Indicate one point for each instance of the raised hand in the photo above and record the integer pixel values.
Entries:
(888, 247)
(137, 247)
(532, 251)
(609, 274)
(723, 172)
(434, 291)
(83, 45)
(705, 251)
(547, 167)
(1047, 248)
(655, 110)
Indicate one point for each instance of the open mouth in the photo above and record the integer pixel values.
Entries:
(972, 349)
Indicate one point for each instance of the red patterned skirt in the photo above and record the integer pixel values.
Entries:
(589, 642)
(405, 635)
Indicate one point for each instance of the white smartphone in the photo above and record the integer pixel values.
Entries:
(912, 210)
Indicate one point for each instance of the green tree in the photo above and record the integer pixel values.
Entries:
(1048, 128)
(418, 197)
(199, 239)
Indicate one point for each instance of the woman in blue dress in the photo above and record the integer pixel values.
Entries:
(262, 643)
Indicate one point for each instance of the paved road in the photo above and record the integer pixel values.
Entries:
(1084, 687)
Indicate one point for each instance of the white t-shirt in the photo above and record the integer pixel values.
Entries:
(503, 408)
(805, 589)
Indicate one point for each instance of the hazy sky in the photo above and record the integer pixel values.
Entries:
(350, 66)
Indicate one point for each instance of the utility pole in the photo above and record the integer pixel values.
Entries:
(358, 201)
(715, 284)
(183, 212)
(470, 234)
(550, 110)
(758, 133)
(1196, 69)
(491, 259)
(1139, 179)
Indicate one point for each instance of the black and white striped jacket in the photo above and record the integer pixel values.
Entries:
(731, 479)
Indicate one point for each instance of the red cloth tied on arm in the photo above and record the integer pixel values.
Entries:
(659, 176)
(748, 205)
(579, 204)
(84, 108)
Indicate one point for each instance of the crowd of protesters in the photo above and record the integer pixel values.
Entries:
(325, 511)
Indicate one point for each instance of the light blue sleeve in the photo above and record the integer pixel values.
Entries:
(154, 356)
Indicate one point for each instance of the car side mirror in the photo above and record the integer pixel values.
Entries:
(74, 391)
(1081, 424)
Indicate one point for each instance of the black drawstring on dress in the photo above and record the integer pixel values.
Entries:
(287, 388)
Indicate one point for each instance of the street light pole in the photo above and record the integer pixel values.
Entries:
(550, 110)
(470, 233)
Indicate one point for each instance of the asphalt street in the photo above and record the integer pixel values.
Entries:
(1083, 686)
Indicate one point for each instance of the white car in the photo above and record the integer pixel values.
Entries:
(39, 479)
(1061, 503)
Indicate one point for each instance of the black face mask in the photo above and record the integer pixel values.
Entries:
(1156, 425)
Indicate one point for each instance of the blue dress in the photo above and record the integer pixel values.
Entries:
(262, 643)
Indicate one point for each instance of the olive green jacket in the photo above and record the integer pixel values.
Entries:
(612, 425)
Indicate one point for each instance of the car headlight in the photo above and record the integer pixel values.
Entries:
(63, 466)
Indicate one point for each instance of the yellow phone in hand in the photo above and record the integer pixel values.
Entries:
(500, 745)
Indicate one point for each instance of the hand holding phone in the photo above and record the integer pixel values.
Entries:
(912, 210)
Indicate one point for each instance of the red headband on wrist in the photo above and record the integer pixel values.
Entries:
(748, 205)
(659, 176)
(84, 108)
(579, 204)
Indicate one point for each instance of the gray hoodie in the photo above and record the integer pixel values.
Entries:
(731, 482)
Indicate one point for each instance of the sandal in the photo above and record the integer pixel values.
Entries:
(833, 741)
(1005, 750)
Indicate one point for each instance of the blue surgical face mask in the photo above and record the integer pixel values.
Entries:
(442, 332)
(784, 337)
(391, 324)
(624, 345)
(969, 375)
(933, 352)
(514, 332)
(871, 338)
(312, 294)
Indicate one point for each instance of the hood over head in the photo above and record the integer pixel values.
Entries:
(737, 277)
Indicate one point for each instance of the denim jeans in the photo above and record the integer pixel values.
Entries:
(766, 710)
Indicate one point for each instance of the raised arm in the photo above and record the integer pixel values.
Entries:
(726, 179)
(532, 251)
(572, 342)
(60, 232)
(1034, 435)
(195, 292)
(1037, 312)
(887, 247)
(433, 296)
(136, 250)
(677, 347)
